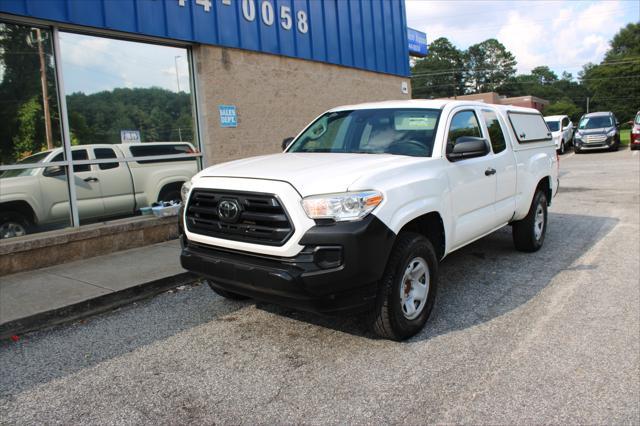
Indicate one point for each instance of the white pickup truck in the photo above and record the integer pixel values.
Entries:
(39, 197)
(357, 212)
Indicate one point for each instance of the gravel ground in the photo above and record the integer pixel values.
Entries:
(549, 337)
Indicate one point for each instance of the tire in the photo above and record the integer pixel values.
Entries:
(562, 148)
(226, 294)
(391, 318)
(13, 224)
(169, 195)
(577, 150)
(529, 233)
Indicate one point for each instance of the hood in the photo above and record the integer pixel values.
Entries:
(310, 173)
(599, 131)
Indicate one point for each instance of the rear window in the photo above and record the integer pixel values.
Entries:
(529, 127)
(152, 150)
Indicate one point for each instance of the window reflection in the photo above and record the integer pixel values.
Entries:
(29, 110)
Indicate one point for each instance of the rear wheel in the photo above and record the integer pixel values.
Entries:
(226, 294)
(13, 224)
(407, 290)
(528, 233)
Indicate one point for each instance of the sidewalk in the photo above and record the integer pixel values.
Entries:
(45, 297)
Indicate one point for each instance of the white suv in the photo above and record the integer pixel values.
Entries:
(561, 131)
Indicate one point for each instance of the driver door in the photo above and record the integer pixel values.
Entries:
(472, 182)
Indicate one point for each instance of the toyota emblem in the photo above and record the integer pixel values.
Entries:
(229, 210)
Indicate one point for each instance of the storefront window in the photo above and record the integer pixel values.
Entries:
(131, 128)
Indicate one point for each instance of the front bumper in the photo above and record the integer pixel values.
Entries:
(337, 271)
(609, 142)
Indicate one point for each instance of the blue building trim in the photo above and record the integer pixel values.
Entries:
(365, 34)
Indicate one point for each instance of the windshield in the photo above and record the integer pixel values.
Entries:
(371, 131)
(554, 126)
(597, 122)
(32, 159)
(638, 118)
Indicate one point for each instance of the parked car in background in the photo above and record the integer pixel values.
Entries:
(358, 212)
(37, 197)
(561, 131)
(635, 133)
(597, 130)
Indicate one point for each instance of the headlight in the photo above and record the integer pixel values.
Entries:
(612, 133)
(341, 207)
(184, 191)
(578, 135)
(636, 131)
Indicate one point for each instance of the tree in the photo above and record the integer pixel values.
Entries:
(488, 65)
(614, 84)
(544, 75)
(565, 106)
(439, 75)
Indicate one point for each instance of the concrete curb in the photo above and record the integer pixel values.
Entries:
(94, 306)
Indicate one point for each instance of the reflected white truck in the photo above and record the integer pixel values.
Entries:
(365, 202)
(39, 197)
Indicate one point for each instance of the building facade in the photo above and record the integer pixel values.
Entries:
(94, 86)
(497, 99)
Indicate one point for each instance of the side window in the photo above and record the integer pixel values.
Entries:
(148, 150)
(80, 154)
(463, 123)
(104, 154)
(565, 122)
(496, 135)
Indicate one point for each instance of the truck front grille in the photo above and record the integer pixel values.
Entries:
(240, 216)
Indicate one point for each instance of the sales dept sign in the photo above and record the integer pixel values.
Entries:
(266, 9)
(228, 117)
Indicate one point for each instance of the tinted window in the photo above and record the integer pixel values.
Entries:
(529, 127)
(371, 131)
(554, 126)
(148, 150)
(464, 123)
(104, 154)
(565, 122)
(80, 154)
(496, 135)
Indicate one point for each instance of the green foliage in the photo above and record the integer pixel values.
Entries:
(614, 84)
(564, 106)
(27, 120)
(488, 65)
(159, 114)
(439, 74)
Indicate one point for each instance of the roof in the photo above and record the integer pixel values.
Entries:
(425, 103)
(598, 114)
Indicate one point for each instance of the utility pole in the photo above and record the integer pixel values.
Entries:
(587, 105)
(45, 92)
(175, 60)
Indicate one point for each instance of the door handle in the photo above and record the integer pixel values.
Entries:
(91, 179)
(490, 172)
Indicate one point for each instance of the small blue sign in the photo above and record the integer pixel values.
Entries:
(228, 117)
(417, 43)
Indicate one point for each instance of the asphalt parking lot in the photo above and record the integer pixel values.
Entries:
(549, 337)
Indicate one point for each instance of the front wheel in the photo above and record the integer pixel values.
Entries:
(562, 148)
(528, 233)
(407, 290)
(13, 224)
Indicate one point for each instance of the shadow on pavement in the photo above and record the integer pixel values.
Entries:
(477, 283)
(46, 355)
(489, 278)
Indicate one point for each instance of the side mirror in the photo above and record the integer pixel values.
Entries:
(286, 142)
(617, 123)
(467, 147)
(53, 171)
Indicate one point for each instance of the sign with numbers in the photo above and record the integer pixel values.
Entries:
(130, 136)
(366, 34)
(228, 117)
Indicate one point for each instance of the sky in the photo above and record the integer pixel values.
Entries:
(93, 64)
(562, 34)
